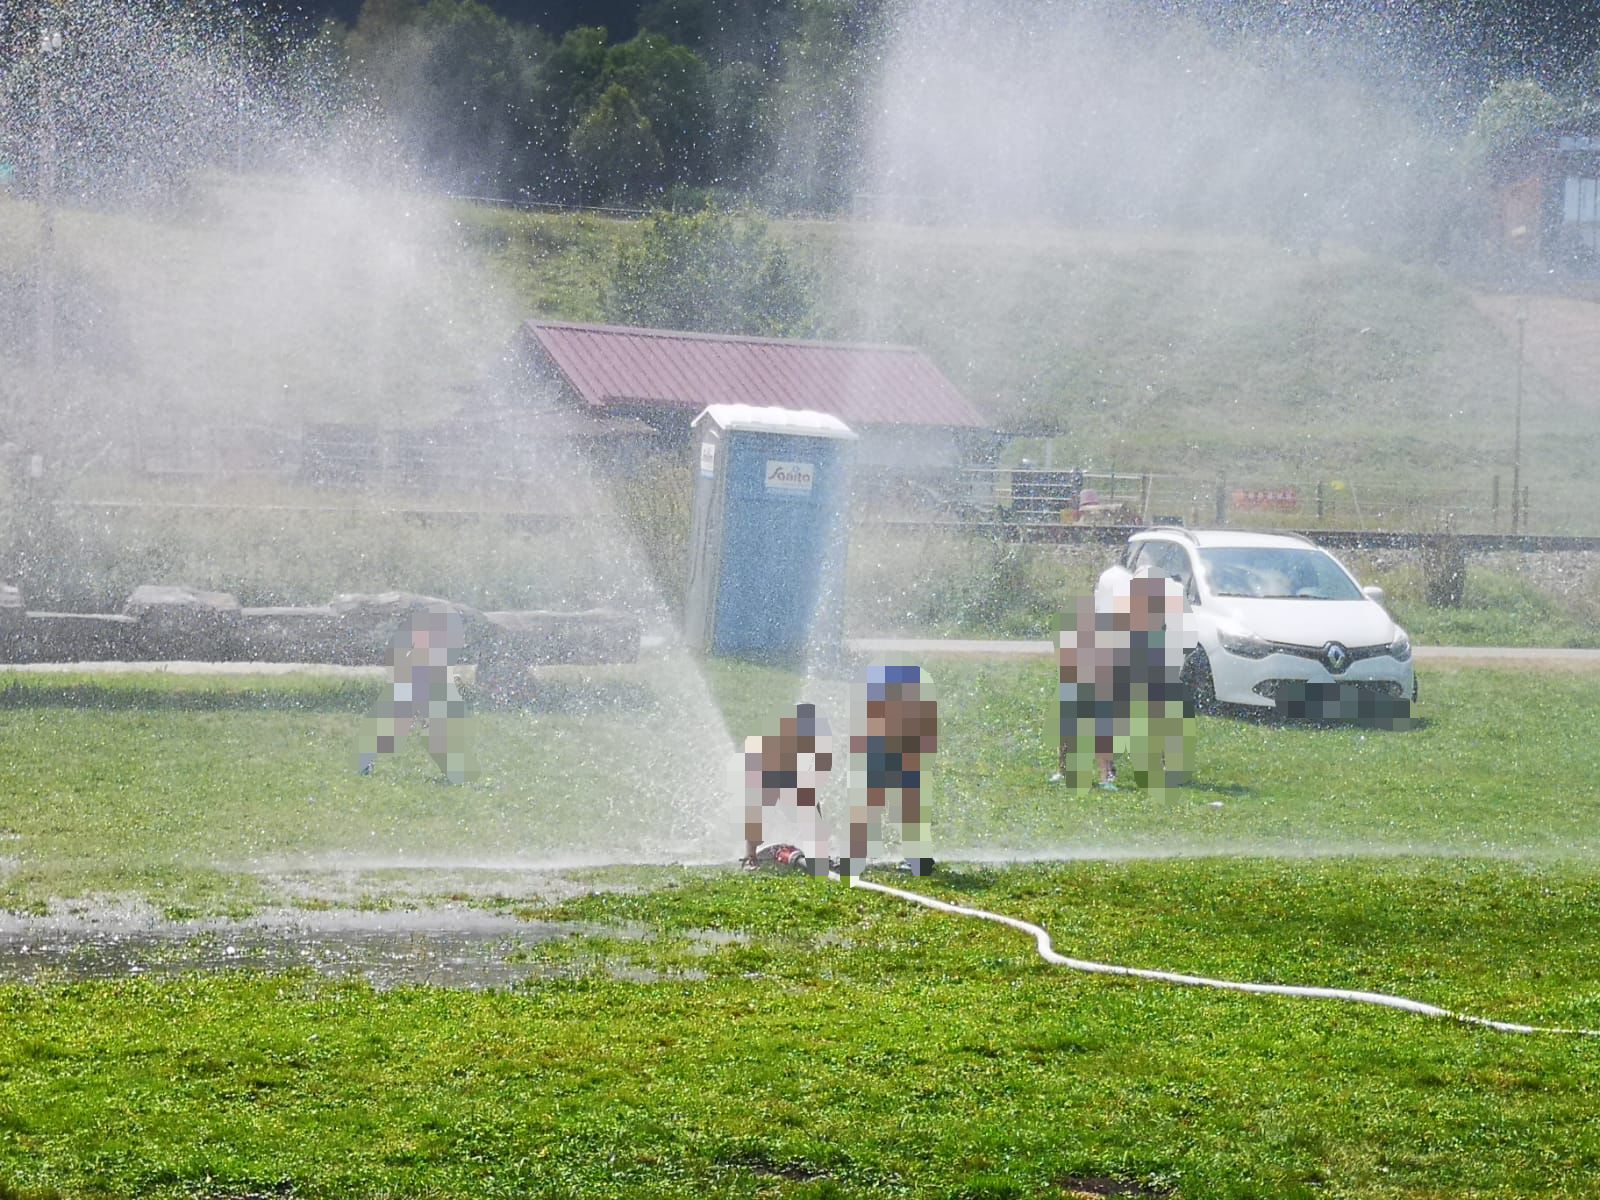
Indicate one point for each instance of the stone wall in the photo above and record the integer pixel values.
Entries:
(168, 623)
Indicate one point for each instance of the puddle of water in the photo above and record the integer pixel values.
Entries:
(632, 974)
(708, 941)
(440, 947)
(363, 883)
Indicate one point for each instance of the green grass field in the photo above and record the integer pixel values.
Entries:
(222, 781)
(824, 1043)
(850, 1045)
(188, 791)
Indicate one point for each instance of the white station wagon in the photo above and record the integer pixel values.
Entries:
(1274, 614)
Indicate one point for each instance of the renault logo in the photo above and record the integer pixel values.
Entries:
(1336, 656)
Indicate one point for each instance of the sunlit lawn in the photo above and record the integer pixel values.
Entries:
(1502, 763)
(836, 1043)
(851, 1045)
(184, 788)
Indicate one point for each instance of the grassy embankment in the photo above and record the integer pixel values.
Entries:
(1192, 354)
(262, 300)
(831, 1044)
(1198, 356)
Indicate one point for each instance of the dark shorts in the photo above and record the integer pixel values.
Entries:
(1101, 710)
(886, 768)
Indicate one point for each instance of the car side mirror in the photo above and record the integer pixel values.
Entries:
(1375, 594)
(1191, 592)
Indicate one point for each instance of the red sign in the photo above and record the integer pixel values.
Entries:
(1276, 499)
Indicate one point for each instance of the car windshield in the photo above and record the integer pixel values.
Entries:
(1276, 573)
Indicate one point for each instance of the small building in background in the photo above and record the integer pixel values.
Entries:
(910, 418)
(1546, 200)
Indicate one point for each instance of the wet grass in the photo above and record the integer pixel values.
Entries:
(1490, 769)
(180, 790)
(852, 1045)
(186, 791)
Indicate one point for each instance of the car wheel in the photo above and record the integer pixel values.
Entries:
(1197, 678)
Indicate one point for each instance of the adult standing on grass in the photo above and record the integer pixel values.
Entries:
(1119, 689)
(1159, 712)
(1086, 679)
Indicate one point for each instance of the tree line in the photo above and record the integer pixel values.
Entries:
(761, 102)
(747, 101)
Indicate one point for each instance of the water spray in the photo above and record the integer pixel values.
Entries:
(1048, 952)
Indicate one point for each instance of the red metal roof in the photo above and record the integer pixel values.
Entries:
(863, 385)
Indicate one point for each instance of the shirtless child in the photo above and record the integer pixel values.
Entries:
(422, 689)
(788, 767)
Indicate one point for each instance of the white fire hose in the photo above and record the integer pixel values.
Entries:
(1048, 953)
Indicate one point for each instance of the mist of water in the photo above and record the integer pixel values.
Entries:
(201, 243)
(1115, 116)
(1067, 177)
(238, 247)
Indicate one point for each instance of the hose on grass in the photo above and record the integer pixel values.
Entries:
(1047, 952)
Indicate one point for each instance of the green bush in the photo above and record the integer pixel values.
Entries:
(710, 271)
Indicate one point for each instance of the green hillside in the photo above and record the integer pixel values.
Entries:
(1191, 355)
(261, 301)
(1197, 356)
(1190, 352)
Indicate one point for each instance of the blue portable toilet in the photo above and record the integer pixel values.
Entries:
(766, 556)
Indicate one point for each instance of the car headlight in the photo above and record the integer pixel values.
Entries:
(1400, 648)
(1245, 645)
